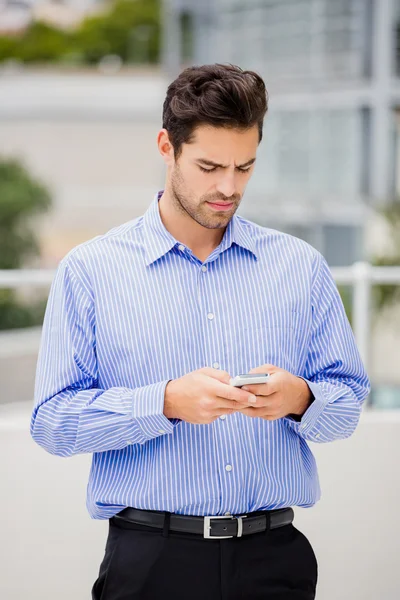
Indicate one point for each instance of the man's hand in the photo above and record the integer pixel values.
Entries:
(204, 395)
(283, 395)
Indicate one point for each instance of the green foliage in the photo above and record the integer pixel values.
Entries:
(8, 48)
(130, 29)
(122, 30)
(42, 43)
(13, 315)
(388, 295)
(21, 197)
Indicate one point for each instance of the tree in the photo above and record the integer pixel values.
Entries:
(42, 43)
(122, 30)
(21, 197)
(8, 48)
(130, 29)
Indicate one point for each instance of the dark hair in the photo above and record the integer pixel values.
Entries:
(218, 95)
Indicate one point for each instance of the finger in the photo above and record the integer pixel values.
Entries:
(241, 401)
(266, 402)
(217, 374)
(272, 402)
(229, 392)
(261, 389)
(262, 413)
(223, 405)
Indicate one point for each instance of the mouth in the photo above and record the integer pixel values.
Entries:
(221, 206)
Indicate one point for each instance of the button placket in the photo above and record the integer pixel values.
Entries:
(213, 349)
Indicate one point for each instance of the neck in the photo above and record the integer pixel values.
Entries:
(201, 240)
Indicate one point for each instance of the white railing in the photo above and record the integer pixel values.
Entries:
(361, 276)
(18, 278)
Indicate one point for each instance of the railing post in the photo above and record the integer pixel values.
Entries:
(361, 309)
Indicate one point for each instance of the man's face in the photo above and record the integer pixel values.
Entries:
(210, 175)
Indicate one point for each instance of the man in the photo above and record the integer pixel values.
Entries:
(144, 328)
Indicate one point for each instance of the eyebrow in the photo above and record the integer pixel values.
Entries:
(211, 163)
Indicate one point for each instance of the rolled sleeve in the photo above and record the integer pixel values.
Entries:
(333, 370)
(148, 410)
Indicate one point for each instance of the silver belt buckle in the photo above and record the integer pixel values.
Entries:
(207, 527)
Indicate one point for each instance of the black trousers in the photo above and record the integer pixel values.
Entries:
(144, 563)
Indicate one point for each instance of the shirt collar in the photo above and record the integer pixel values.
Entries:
(158, 241)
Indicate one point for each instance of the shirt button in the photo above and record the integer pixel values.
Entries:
(210, 316)
(204, 268)
(228, 514)
(228, 468)
(129, 443)
(216, 365)
(181, 248)
(161, 431)
(223, 417)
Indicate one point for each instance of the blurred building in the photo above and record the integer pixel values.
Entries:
(330, 153)
(65, 14)
(331, 149)
(16, 15)
(91, 137)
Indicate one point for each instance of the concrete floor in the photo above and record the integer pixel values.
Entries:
(52, 549)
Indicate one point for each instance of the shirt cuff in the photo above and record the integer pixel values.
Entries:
(148, 410)
(310, 417)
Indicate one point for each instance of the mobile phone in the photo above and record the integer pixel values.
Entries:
(249, 379)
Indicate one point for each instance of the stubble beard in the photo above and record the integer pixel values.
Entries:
(198, 210)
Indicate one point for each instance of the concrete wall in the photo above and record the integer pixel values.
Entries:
(52, 549)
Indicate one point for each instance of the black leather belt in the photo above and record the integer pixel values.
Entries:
(226, 526)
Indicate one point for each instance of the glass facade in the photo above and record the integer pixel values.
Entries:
(315, 152)
(331, 145)
(301, 39)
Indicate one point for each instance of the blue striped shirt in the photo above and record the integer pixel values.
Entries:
(134, 308)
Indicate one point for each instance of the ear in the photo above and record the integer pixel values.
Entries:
(165, 148)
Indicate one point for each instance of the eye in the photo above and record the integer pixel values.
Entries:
(207, 170)
(215, 168)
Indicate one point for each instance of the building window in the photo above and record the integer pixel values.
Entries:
(297, 38)
(312, 153)
(396, 26)
(186, 24)
(396, 153)
(342, 244)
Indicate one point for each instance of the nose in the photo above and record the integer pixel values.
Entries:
(226, 184)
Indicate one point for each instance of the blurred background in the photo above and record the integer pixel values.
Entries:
(82, 84)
